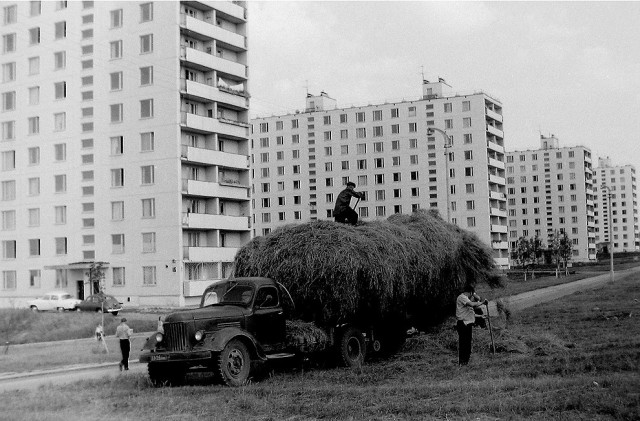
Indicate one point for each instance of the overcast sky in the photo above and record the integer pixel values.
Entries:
(566, 68)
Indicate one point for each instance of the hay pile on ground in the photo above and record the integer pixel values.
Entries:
(379, 270)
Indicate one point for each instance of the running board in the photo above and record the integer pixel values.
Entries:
(279, 356)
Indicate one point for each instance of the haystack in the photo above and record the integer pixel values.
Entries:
(377, 271)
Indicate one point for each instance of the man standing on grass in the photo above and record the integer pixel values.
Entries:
(342, 212)
(466, 318)
(123, 332)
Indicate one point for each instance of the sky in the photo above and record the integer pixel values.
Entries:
(571, 69)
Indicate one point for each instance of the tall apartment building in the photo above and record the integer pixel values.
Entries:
(550, 190)
(617, 215)
(125, 140)
(301, 161)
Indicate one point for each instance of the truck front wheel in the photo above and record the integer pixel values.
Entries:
(352, 349)
(234, 363)
(166, 374)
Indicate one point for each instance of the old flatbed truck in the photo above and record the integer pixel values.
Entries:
(248, 320)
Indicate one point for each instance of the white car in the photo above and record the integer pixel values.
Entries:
(56, 301)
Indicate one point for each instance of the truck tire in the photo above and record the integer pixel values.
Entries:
(234, 363)
(166, 374)
(352, 348)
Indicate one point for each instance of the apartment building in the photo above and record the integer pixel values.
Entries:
(616, 215)
(124, 140)
(550, 190)
(442, 151)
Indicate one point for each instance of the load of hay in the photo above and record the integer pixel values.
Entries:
(378, 271)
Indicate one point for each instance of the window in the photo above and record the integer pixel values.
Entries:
(8, 43)
(146, 76)
(10, 14)
(8, 101)
(146, 12)
(34, 186)
(148, 242)
(466, 105)
(117, 211)
(149, 275)
(8, 130)
(466, 122)
(61, 245)
(34, 278)
(117, 145)
(412, 111)
(471, 221)
(116, 113)
(59, 122)
(8, 220)
(147, 143)
(117, 243)
(468, 138)
(8, 160)
(360, 117)
(146, 43)
(60, 29)
(117, 177)
(60, 89)
(9, 249)
(118, 277)
(34, 217)
(8, 279)
(8, 190)
(146, 108)
(116, 18)
(148, 174)
(148, 208)
(413, 127)
(447, 107)
(361, 133)
(470, 188)
(60, 182)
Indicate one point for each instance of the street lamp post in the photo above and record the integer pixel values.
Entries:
(603, 187)
(447, 144)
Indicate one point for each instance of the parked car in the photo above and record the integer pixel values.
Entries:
(54, 301)
(99, 303)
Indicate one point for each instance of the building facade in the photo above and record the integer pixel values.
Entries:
(550, 191)
(398, 154)
(125, 140)
(616, 215)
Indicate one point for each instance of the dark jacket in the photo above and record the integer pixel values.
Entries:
(344, 200)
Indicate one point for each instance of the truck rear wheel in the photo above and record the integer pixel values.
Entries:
(166, 374)
(352, 348)
(234, 363)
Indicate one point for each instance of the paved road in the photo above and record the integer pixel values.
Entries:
(64, 375)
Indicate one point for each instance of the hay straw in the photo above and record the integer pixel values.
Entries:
(413, 264)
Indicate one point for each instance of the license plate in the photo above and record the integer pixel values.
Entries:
(159, 357)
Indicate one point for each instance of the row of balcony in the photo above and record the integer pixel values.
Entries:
(211, 31)
(213, 157)
(205, 124)
(492, 114)
(210, 189)
(494, 130)
(209, 254)
(206, 92)
(207, 61)
(211, 221)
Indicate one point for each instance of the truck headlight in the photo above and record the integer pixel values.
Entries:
(159, 337)
(199, 335)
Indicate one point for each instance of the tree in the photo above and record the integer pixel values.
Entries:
(565, 251)
(96, 274)
(522, 253)
(535, 250)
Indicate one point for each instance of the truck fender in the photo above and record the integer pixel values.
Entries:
(222, 337)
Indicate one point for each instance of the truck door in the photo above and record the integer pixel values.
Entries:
(269, 319)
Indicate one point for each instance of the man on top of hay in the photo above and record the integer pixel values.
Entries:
(466, 318)
(342, 212)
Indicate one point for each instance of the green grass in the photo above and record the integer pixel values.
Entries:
(571, 359)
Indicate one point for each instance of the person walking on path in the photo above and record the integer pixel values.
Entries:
(466, 317)
(123, 332)
(342, 212)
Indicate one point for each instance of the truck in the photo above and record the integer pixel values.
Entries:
(244, 322)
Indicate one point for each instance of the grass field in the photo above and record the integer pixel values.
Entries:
(572, 359)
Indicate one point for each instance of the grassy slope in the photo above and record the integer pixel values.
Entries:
(575, 358)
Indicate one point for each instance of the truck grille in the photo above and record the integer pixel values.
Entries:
(176, 336)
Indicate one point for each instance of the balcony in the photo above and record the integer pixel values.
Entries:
(208, 221)
(495, 163)
(229, 8)
(497, 195)
(494, 115)
(204, 124)
(499, 245)
(210, 189)
(205, 93)
(495, 147)
(206, 62)
(498, 212)
(209, 254)
(496, 179)
(498, 228)
(206, 28)
(211, 157)
(494, 131)
(502, 262)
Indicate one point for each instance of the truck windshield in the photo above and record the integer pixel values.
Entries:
(228, 293)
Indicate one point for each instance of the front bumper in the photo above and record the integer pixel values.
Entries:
(187, 357)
